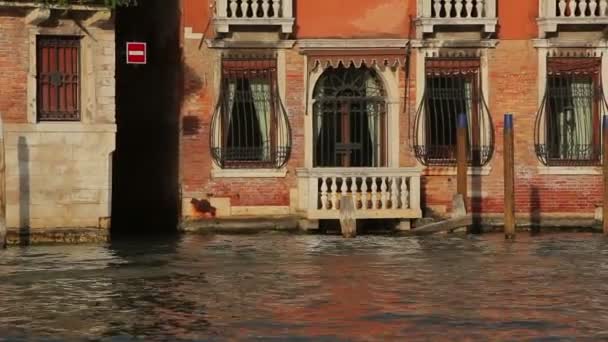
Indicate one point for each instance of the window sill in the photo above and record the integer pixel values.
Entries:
(249, 173)
(570, 170)
(452, 171)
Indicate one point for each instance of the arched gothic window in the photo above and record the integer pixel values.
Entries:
(349, 121)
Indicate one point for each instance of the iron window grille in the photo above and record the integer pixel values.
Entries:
(568, 126)
(250, 127)
(453, 87)
(349, 118)
(58, 78)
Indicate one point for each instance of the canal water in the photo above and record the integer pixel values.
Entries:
(303, 287)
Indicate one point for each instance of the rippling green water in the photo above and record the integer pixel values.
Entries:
(309, 287)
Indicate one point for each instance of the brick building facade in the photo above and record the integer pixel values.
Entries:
(422, 62)
(57, 73)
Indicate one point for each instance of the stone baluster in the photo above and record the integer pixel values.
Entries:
(603, 5)
(592, 7)
(561, 8)
(394, 193)
(254, 8)
(233, 8)
(354, 191)
(334, 193)
(571, 7)
(437, 8)
(364, 200)
(344, 188)
(404, 193)
(480, 8)
(458, 7)
(582, 7)
(374, 193)
(383, 193)
(244, 8)
(276, 7)
(469, 8)
(324, 193)
(265, 7)
(448, 8)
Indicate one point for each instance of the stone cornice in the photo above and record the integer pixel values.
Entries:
(330, 43)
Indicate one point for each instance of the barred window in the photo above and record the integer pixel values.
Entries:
(250, 128)
(453, 87)
(349, 118)
(568, 130)
(58, 78)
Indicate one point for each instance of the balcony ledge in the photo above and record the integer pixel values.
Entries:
(222, 25)
(428, 24)
(550, 24)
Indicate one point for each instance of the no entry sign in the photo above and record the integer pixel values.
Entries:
(136, 53)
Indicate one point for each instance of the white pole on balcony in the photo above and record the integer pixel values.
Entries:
(287, 8)
(415, 192)
(222, 8)
(424, 8)
(490, 11)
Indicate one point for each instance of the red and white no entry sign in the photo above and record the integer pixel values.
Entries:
(136, 53)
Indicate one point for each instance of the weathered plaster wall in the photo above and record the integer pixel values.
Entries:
(57, 174)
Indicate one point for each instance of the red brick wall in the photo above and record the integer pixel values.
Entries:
(196, 162)
(14, 58)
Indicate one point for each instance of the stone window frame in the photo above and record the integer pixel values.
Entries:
(88, 96)
(545, 49)
(218, 172)
(390, 78)
(428, 50)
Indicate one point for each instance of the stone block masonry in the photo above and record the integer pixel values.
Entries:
(58, 174)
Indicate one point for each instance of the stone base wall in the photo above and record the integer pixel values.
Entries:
(58, 175)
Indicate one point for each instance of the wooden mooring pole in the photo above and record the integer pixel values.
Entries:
(2, 188)
(509, 174)
(461, 157)
(605, 169)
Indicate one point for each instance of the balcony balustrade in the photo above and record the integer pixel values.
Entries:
(432, 13)
(554, 13)
(233, 13)
(379, 193)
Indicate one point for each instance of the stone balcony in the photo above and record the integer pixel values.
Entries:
(230, 14)
(474, 13)
(555, 13)
(378, 193)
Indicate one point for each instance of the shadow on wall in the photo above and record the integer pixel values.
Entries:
(23, 157)
(145, 191)
(535, 205)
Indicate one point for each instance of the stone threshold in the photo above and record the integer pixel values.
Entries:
(241, 225)
(24, 237)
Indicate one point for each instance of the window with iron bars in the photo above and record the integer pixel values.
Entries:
(452, 87)
(568, 126)
(250, 127)
(58, 78)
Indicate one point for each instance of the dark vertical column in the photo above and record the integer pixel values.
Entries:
(461, 157)
(145, 185)
(2, 188)
(605, 168)
(509, 174)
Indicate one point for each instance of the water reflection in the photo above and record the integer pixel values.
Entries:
(315, 287)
